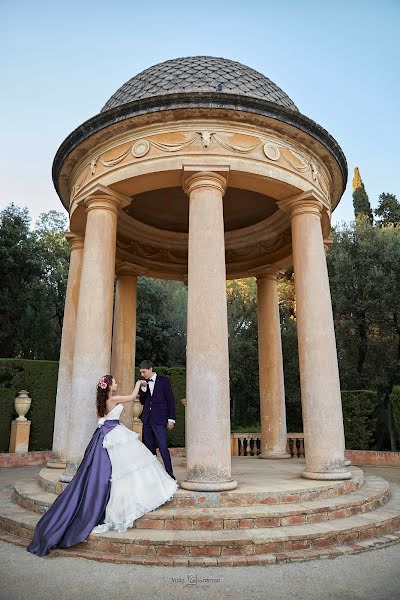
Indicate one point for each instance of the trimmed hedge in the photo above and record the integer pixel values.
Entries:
(359, 425)
(395, 403)
(39, 377)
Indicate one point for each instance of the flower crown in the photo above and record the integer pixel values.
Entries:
(103, 383)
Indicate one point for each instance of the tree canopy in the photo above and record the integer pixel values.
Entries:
(364, 271)
(33, 275)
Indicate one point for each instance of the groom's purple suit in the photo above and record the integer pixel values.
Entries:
(158, 408)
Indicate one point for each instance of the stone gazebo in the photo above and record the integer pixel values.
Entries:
(200, 169)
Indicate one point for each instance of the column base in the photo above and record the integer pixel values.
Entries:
(56, 464)
(327, 475)
(208, 486)
(69, 473)
(272, 456)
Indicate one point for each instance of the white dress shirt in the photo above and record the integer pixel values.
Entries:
(151, 383)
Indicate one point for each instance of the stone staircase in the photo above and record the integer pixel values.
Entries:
(228, 528)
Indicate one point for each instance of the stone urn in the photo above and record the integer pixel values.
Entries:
(22, 404)
(137, 410)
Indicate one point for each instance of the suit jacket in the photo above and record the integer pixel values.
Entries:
(161, 405)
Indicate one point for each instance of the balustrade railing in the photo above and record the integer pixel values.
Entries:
(249, 444)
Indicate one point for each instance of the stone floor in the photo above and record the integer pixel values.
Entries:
(388, 473)
(368, 576)
(257, 479)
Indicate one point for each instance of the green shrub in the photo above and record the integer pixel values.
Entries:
(395, 403)
(39, 377)
(359, 425)
(294, 418)
(246, 428)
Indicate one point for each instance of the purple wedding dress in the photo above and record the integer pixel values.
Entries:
(81, 506)
(118, 481)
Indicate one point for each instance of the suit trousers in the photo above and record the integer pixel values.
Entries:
(155, 435)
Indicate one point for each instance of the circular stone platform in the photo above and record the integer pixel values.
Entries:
(274, 515)
(259, 482)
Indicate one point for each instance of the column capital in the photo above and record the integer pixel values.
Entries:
(270, 272)
(126, 269)
(195, 176)
(101, 196)
(75, 240)
(328, 241)
(307, 202)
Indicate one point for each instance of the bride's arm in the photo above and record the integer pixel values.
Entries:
(132, 396)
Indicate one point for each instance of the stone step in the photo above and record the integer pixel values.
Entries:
(374, 493)
(258, 485)
(240, 560)
(159, 544)
(219, 561)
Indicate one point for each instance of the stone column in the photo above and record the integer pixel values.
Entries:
(272, 387)
(92, 349)
(124, 335)
(63, 397)
(327, 244)
(319, 373)
(208, 403)
(184, 402)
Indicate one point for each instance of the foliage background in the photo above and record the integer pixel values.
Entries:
(364, 270)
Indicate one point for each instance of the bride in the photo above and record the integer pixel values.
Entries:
(118, 481)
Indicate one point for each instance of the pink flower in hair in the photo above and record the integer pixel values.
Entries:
(103, 383)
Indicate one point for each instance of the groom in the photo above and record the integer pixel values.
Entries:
(158, 413)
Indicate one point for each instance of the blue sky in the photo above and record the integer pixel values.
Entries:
(60, 62)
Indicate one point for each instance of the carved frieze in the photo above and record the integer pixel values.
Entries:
(265, 147)
(179, 256)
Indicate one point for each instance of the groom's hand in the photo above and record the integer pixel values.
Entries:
(170, 425)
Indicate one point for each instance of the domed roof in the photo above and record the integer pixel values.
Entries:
(199, 74)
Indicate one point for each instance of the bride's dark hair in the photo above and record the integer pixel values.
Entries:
(103, 390)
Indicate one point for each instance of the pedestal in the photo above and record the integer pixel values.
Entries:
(137, 427)
(19, 439)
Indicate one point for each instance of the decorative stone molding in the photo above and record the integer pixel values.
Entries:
(154, 253)
(75, 240)
(327, 244)
(195, 176)
(265, 147)
(100, 196)
(127, 269)
(270, 272)
(310, 202)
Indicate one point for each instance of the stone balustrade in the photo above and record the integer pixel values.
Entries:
(248, 444)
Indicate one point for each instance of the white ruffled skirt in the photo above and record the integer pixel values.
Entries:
(139, 483)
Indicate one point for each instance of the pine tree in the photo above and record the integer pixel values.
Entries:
(388, 210)
(361, 203)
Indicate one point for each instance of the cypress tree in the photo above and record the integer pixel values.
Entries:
(361, 203)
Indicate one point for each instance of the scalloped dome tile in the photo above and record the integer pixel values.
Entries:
(199, 74)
